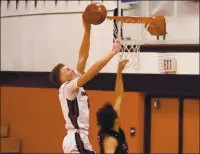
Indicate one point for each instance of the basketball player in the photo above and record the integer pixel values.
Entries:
(72, 96)
(111, 136)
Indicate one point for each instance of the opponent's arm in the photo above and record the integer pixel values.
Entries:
(110, 145)
(84, 49)
(119, 92)
(98, 65)
(119, 87)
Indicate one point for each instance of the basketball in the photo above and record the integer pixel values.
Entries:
(95, 13)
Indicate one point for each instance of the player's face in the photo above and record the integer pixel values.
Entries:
(67, 74)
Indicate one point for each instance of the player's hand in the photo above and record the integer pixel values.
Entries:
(116, 46)
(121, 65)
(86, 25)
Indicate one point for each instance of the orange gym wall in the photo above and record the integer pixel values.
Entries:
(35, 117)
(164, 126)
(191, 126)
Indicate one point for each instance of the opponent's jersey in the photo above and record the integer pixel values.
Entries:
(122, 147)
(74, 104)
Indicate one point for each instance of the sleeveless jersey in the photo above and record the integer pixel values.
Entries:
(74, 105)
(122, 147)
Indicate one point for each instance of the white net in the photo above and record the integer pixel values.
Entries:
(131, 35)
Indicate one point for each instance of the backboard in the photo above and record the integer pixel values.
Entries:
(182, 27)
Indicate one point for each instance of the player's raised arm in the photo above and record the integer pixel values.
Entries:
(96, 68)
(119, 87)
(119, 93)
(84, 49)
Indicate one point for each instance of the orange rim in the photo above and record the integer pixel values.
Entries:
(127, 19)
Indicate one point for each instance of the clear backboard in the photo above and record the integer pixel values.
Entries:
(182, 29)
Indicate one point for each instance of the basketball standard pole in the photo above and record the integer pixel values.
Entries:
(119, 14)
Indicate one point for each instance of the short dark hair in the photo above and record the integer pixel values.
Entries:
(55, 74)
(106, 116)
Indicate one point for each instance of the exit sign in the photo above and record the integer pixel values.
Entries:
(169, 65)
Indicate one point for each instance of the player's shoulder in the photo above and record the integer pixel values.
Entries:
(65, 90)
(63, 85)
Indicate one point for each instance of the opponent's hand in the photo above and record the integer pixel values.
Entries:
(121, 65)
(116, 46)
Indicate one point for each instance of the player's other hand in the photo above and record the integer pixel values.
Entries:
(116, 46)
(121, 65)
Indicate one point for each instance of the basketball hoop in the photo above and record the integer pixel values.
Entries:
(130, 45)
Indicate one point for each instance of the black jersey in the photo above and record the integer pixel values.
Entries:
(122, 147)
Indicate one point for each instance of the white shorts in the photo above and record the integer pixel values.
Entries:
(69, 142)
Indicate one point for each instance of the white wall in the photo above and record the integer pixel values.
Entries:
(48, 7)
(38, 42)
